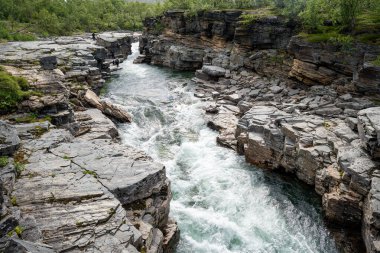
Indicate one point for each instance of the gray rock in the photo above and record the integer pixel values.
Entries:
(48, 62)
(214, 71)
(9, 140)
(14, 245)
(369, 130)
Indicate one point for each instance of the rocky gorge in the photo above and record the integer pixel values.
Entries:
(70, 184)
(284, 103)
(67, 182)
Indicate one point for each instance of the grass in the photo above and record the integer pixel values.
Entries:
(90, 172)
(19, 167)
(31, 118)
(250, 17)
(3, 161)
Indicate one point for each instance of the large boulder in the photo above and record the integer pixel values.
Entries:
(9, 140)
(214, 71)
(49, 62)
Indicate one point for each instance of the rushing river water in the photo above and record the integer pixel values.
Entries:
(221, 203)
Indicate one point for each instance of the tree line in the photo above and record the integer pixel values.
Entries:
(64, 17)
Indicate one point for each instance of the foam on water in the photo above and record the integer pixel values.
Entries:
(221, 203)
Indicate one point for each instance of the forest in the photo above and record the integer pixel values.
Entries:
(26, 19)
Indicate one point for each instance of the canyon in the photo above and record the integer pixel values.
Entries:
(285, 104)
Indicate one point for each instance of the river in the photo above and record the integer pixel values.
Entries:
(221, 203)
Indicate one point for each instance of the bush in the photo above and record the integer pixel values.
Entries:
(12, 90)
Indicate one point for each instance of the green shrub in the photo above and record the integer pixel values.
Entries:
(12, 90)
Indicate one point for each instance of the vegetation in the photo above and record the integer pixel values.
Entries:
(18, 230)
(12, 90)
(332, 20)
(13, 201)
(90, 172)
(21, 19)
(31, 118)
(376, 62)
(19, 167)
(3, 161)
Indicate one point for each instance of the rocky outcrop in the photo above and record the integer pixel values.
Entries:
(284, 103)
(59, 69)
(85, 193)
(69, 184)
(187, 43)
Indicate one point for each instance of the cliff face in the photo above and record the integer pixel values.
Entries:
(69, 184)
(285, 103)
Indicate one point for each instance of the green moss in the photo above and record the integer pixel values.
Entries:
(90, 172)
(32, 118)
(13, 201)
(3, 161)
(376, 62)
(39, 131)
(18, 230)
(79, 223)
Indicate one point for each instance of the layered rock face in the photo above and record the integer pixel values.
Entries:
(285, 104)
(68, 183)
(188, 42)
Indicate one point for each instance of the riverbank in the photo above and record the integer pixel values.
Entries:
(67, 183)
(284, 103)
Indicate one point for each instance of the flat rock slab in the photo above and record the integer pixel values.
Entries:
(71, 207)
(129, 174)
(77, 188)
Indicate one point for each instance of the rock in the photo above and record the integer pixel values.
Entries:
(371, 220)
(214, 71)
(369, 130)
(93, 99)
(311, 74)
(14, 245)
(9, 140)
(116, 112)
(276, 89)
(171, 237)
(201, 75)
(233, 98)
(48, 62)
(368, 81)
(343, 207)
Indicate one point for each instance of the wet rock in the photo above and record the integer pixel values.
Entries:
(116, 112)
(9, 140)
